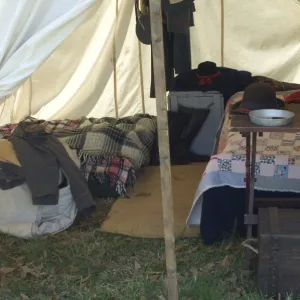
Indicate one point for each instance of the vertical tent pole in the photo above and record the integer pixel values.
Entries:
(141, 6)
(164, 147)
(141, 77)
(115, 61)
(222, 33)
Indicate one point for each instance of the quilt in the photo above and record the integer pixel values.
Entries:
(278, 154)
(277, 162)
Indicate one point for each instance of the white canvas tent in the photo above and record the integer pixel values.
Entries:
(77, 79)
(92, 64)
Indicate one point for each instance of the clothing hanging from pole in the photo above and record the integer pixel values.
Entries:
(177, 20)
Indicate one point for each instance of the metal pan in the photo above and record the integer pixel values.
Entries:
(271, 117)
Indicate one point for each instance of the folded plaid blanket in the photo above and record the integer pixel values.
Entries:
(50, 126)
(130, 137)
(119, 170)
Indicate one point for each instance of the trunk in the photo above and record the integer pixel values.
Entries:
(279, 252)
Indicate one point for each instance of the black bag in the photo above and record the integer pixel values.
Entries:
(177, 122)
(180, 152)
(101, 189)
(184, 126)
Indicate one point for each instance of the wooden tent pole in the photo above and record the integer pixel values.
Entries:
(115, 61)
(222, 33)
(141, 77)
(164, 147)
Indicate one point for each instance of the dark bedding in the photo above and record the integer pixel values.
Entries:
(223, 211)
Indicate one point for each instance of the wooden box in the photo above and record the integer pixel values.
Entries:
(279, 252)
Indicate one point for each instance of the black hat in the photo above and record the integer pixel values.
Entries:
(207, 68)
(258, 96)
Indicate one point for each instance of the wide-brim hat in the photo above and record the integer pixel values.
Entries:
(258, 96)
(207, 68)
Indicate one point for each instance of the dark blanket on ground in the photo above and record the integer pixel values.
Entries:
(223, 211)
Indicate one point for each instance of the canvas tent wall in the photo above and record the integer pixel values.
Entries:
(80, 87)
(77, 79)
(30, 32)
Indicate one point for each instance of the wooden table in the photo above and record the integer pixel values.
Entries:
(242, 124)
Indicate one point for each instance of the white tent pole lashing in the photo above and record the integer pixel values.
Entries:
(164, 147)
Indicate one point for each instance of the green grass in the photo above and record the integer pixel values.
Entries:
(83, 263)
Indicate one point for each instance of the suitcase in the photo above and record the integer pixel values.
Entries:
(213, 101)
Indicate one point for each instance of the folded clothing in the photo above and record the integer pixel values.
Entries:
(41, 155)
(11, 172)
(117, 172)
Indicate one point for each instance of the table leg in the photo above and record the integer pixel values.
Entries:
(250, 180)
(251, 184)
(247, 165)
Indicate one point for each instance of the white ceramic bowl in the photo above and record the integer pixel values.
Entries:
(271, 117)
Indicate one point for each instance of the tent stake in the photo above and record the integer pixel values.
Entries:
(164, 147)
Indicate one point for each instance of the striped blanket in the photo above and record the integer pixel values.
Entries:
(130, 137)
(119, 170)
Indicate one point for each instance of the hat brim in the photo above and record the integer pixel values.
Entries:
(236, 108)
